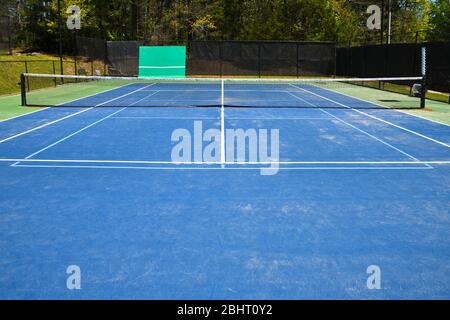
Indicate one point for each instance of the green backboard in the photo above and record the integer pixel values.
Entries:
(162, 62)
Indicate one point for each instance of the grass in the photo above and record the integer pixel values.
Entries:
(12, 66)
(438, 96)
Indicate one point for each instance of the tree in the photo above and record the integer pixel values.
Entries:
(410, 18)
(440, 20)
(177, 21)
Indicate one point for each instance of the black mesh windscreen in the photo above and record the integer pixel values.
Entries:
(358, 63)
(343, 61)
(403, 60)
(91, 48)
(203, 58)
(260, 58)
(240, 58)
(123, 57)
(375, 61)
(438, 66)
(395, 60)
(278, 58)
(316, 59)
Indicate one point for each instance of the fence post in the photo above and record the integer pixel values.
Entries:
(221, 57)
(23, 94)
(61, 71)
(259, 60)
(105, 62)
(448, 91)
(28, 79)
(10, 42)
(335, 61)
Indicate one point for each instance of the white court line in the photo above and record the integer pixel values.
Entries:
(25, 114)
(280, 118)
(44, 125)
(386, 108)
(420, 117)
(228, 118)
(166, 118)
(183, 101)
(217, 90)
(60, 119)
(124, 95)
(147, 96)
(61, 104)
(69, 136)
(358, 129)
(379, 119)
(92, 95)
(225, 168)
(227, 163)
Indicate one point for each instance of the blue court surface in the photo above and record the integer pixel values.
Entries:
(97, 188)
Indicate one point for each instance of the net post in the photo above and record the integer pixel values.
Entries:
(23, 93)
(424, 77)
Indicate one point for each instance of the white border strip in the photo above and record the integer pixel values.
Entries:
(225, 168)
(227, 163)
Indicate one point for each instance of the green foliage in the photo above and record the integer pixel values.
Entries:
(177, 21)
(410, 20)
(440, 20)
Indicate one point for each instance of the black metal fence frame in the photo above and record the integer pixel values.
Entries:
(28, 69)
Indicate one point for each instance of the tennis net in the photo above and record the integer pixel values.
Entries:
(100, 91)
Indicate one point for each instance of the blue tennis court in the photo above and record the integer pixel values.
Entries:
(328, 184)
